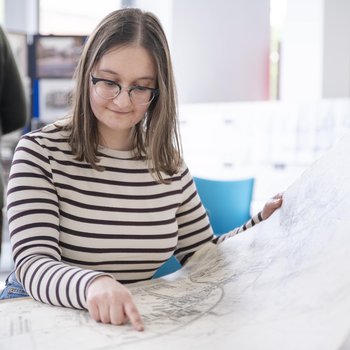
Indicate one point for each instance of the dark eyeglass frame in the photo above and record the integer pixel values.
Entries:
(155, 91)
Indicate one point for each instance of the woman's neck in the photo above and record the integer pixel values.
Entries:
(123, 141)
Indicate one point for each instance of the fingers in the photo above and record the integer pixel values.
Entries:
(94, 312)
(110, 302)
(278, 196)
(134, 316)
(104, 313)
(108, 314)
(99, 311)
(276, 203)
(117, 315)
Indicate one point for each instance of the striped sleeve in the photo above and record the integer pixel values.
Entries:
(250, 223)
(194, 225)
(33, 215)
(193, 222)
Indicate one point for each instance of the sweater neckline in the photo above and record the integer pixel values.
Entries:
(116, 153)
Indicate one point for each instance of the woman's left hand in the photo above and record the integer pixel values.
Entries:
(274, 203)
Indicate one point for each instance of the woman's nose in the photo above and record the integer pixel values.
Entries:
(122, 99)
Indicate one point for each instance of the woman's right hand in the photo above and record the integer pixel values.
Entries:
(108, 301)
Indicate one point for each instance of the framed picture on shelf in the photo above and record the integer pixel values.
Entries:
(53, 56)
(54, 99)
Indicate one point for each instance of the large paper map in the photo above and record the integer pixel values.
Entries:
(284, 284)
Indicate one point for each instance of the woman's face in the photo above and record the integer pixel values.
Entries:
(128, 66)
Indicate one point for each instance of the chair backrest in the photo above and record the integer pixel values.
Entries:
(168, 267)
(227, 201)
(227, 204)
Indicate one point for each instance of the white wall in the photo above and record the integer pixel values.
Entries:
(301, 50)
(221, 50)
(336, 50)
(21, 16)
(2, 10)
(315, 50)
(163, 10)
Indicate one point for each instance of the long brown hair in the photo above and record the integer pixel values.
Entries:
(156, 137)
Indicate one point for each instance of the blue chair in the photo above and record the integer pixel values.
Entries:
(170, 266)
(227, 202)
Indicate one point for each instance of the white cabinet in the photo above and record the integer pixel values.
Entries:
(272, 141)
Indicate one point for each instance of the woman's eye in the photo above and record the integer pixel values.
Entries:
(140, 88)
(108, 83)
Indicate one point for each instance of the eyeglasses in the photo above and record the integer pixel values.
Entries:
(109, 90)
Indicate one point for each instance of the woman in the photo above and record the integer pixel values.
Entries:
(103, 198)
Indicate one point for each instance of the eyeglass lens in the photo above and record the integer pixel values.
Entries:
(138, 95)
